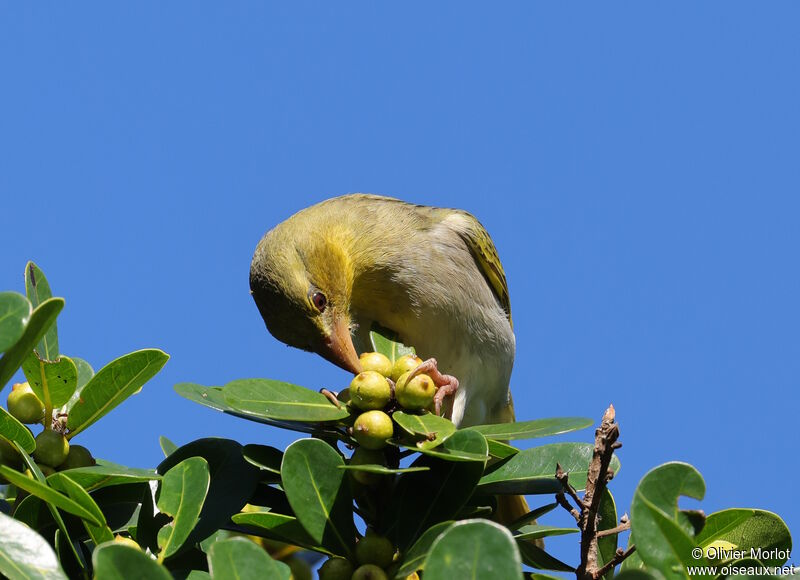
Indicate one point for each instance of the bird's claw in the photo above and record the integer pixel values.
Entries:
(447, 384)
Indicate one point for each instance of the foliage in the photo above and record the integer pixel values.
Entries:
(217, 509)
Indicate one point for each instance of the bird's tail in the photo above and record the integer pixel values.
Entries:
(510, 508)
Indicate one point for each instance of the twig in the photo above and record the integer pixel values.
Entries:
(618, 558)
(605, 443)
(562, 501)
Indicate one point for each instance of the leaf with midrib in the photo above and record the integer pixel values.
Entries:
(532, 471)
(183, 491)
(48, 494)
(15, 311)
(425, 425)
(105, 474)
(474, 549)
(414, 558)
(24, 554)
(319, 495)
(13, 430)
(99, 533)
(748, 529)
(115, 561)
(41, 319)
(279, 527)
(53, 381)
(280, 401)
(242, 559)
(463, 445)
(533, 429)
(112, 384)
(38, 290)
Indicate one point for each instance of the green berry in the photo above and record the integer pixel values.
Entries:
(9, 455)
(373, 549)
(416, 394)
(336, 569)
(404, 364)
(51, 448)
(370, 390)
(78, 456)
(372, 429)
(375, 361)
(300, 570)
(46, 469)
(363, 456)
(24, 405)
(369, 572)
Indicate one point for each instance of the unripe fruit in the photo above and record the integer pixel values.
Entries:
(299, 568)
(416, 394)
(375, 361)
(362, 456)
(336, 569)
(126, 541)
(372, 429)
(78, 456)
(369, 572)
(46, 469)
(404, 364)
(24, 405)
(370, 390)
(51, 448)
(9, 455)
(373, 549)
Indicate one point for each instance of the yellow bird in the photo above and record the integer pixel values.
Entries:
(432, 275)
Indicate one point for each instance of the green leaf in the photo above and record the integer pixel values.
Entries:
(414, 558)
(24, 554)
(532, 471)
(15, 311)
(535, 531)
(532, 516)
(213, 398)
(264, 457)
(183, 491)
(279, 527)
(535, 557)
(607, 516)
(749, 529)
(167, 446)
(48, 494)
(99, 533)
(106, 474)
(432, 428)
(280, 401)
(382, 469)
(319, 495)
(463, 445)
(53, 381)
(421, 500)
(660, 540)
(473, 549)
(387, 343)
(85, 373)
(242, 559)
(233, 481)
(38, 290)
(112, 384)
(115, 561)
(533, 429)
(500, 450)
(633, 574)
(41, 319)
(13, 430)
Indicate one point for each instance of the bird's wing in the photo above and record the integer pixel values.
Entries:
(485, 254)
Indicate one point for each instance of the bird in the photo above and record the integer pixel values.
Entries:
(323, 277)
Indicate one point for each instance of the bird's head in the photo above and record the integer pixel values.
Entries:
(301, 282)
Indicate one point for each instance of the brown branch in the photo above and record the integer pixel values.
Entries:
(624, 527)
(562, 501)
(599, 475)
(618, 558)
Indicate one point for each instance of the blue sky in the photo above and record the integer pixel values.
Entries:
(635, 163)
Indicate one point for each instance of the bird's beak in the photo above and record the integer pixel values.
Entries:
(338, 347)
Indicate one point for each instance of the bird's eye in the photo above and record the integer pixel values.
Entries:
(319, 300)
